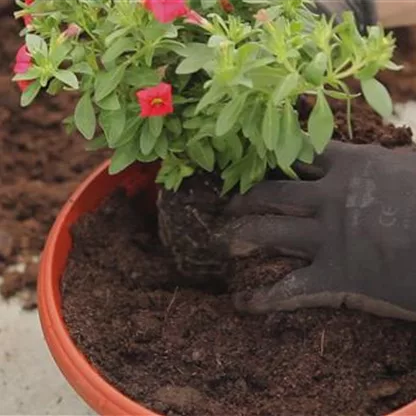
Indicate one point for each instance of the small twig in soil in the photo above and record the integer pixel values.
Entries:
(179, 370)
(321, 353)
(193, 242)
(199, 219)
(172, 301)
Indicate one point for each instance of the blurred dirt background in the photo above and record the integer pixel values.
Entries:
(40, 165)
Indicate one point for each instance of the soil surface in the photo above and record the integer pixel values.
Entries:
(40, 165)
(185, 352)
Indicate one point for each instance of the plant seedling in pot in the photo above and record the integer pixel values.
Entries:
(209, 89)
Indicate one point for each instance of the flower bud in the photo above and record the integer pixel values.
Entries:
(72, 30)
(262, 16)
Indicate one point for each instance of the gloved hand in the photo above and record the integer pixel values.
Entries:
(357, 226)
(364, 10)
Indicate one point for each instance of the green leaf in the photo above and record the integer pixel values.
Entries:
(120, 46)
(321, 123)
(30, 94)
(82, 68)
(85, 119)
(271, 126)
(131, 131)
(235, 147)
(171, 174)
(191, 65)
(208, 4)
(111, 102)
(392, 66)
(369, 71)
(285, 88)
(32, 73)
(96, 143)
(173, 124)
(193, 123)
(123, 157)
(59, 53)
(291, 141)
(141, 77)
(35, 44)
(197, 56)
(162, 145)
(115, 35)
(156, 125)
(67, 77)
(202, 153)
(151, 157)
(307, 154)
(315, 71)
(55, 87)
(214, 95)
(207, 130)
(377, 96)
(231, 176)
(147, 139)
(107, 82)
(254, 170)
(113, 123)
(250, 119)
(264, 77)
(229, 114)
(340, 95)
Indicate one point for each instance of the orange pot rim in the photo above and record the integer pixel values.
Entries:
(86, 381)
(83, 377)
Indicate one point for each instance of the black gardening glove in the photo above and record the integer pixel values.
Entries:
(357, 226)
(364, 10)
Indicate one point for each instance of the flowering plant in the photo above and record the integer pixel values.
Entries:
(200, 84)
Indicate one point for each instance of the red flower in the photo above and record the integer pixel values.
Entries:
(156, 101)
(23, 84)
(166, 11)
(28, 18)
(226, 6)
(22, 65)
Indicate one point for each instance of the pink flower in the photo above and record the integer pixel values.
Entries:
(28, 18)
(166, 11)
(155, 101)
(22, 65)
(23, 61)
(195, 18)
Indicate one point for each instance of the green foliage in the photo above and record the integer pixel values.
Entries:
(237, 79)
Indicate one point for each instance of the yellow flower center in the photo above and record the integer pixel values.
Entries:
(156, 101)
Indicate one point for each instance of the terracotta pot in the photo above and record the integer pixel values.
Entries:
(97, 392)
(86, 381)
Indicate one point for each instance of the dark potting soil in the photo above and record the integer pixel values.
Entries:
(186, 352)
